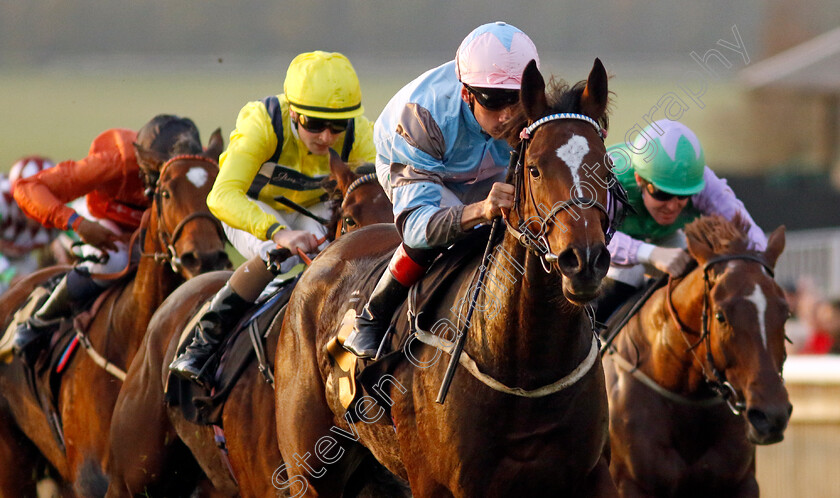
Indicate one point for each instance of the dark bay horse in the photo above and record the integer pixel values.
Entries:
(182, 239)
(718, 350)
(152, 439)
(528, 417)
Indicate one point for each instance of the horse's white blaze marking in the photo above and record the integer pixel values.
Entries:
(760, 301)
(572, 154)
(198, 176)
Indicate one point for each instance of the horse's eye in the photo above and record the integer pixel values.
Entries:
(719, 316)
(534, 171)
(165, 194)
(350, 222)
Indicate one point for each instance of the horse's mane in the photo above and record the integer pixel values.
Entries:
(561, 97)
(718, 234)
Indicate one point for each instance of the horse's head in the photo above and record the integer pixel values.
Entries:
(188, 236)
(745, 314)
(363, 202)
(562, 180)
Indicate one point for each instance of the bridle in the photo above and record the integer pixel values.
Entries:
(537, 243)
(166, 239)
(358, 182)
(715, 379)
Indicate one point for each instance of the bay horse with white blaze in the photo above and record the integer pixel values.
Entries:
(181, 239)
(529, 418)
(150, 439)
(695, 380)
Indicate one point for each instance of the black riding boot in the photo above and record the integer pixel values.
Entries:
(76, 287)
(373, 321)
(225, 310)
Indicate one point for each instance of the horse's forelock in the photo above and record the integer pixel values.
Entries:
(186, 143)
(719, 235)
(561, 97)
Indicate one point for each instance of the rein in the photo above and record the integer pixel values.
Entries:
(168, 240)
(717, 380)
(524, 236)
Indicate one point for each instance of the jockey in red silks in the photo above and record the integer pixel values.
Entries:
(442, 160)
(110, 179)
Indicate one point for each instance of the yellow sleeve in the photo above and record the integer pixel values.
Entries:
(252, 143)
(363, 148)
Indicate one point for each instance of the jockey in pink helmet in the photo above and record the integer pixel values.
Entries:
(441, 158)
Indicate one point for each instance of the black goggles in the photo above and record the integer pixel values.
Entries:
(662, 196)
(494, 99)
(317, 125)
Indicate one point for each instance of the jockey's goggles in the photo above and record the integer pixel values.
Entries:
(317, 125)
(494, 99)
(661, 195)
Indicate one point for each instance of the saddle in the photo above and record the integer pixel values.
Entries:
(244, 346)
(348, 372)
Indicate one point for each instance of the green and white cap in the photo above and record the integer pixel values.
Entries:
(678, 164)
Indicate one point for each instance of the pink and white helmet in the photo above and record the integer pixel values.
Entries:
(28, 166)
(494, 56)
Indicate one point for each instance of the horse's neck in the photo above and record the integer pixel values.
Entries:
(153, 281)
(663, 347)
(527, 333)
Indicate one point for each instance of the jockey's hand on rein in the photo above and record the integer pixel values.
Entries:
(672, 261)
(296, 239)
(94, 234)
(498, 200)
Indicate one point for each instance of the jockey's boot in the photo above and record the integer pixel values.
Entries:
(391, 290)
(76, 287)
(226, 308)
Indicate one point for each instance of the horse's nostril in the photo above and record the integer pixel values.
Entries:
(189, 260)
(769, 423)
(568, 261)
(599, 260)
(222, 260)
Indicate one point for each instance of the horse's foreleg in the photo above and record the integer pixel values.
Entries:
(140, 431)
(317, 460)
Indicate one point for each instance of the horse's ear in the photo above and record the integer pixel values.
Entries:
(593, 101)
(532, 93)
(775, 246)
(340, 172)
(215, 145)
(149, 158)
(699, 250)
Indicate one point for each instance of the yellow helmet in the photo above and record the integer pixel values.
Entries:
(323, 85)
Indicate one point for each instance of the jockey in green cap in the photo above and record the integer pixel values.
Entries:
(668, 185)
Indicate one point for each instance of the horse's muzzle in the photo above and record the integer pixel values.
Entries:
(767, 425)
(583, 268)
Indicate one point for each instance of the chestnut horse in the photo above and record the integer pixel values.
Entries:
(529, 418)
(182, 239)
(705, 347)
(151, 437)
